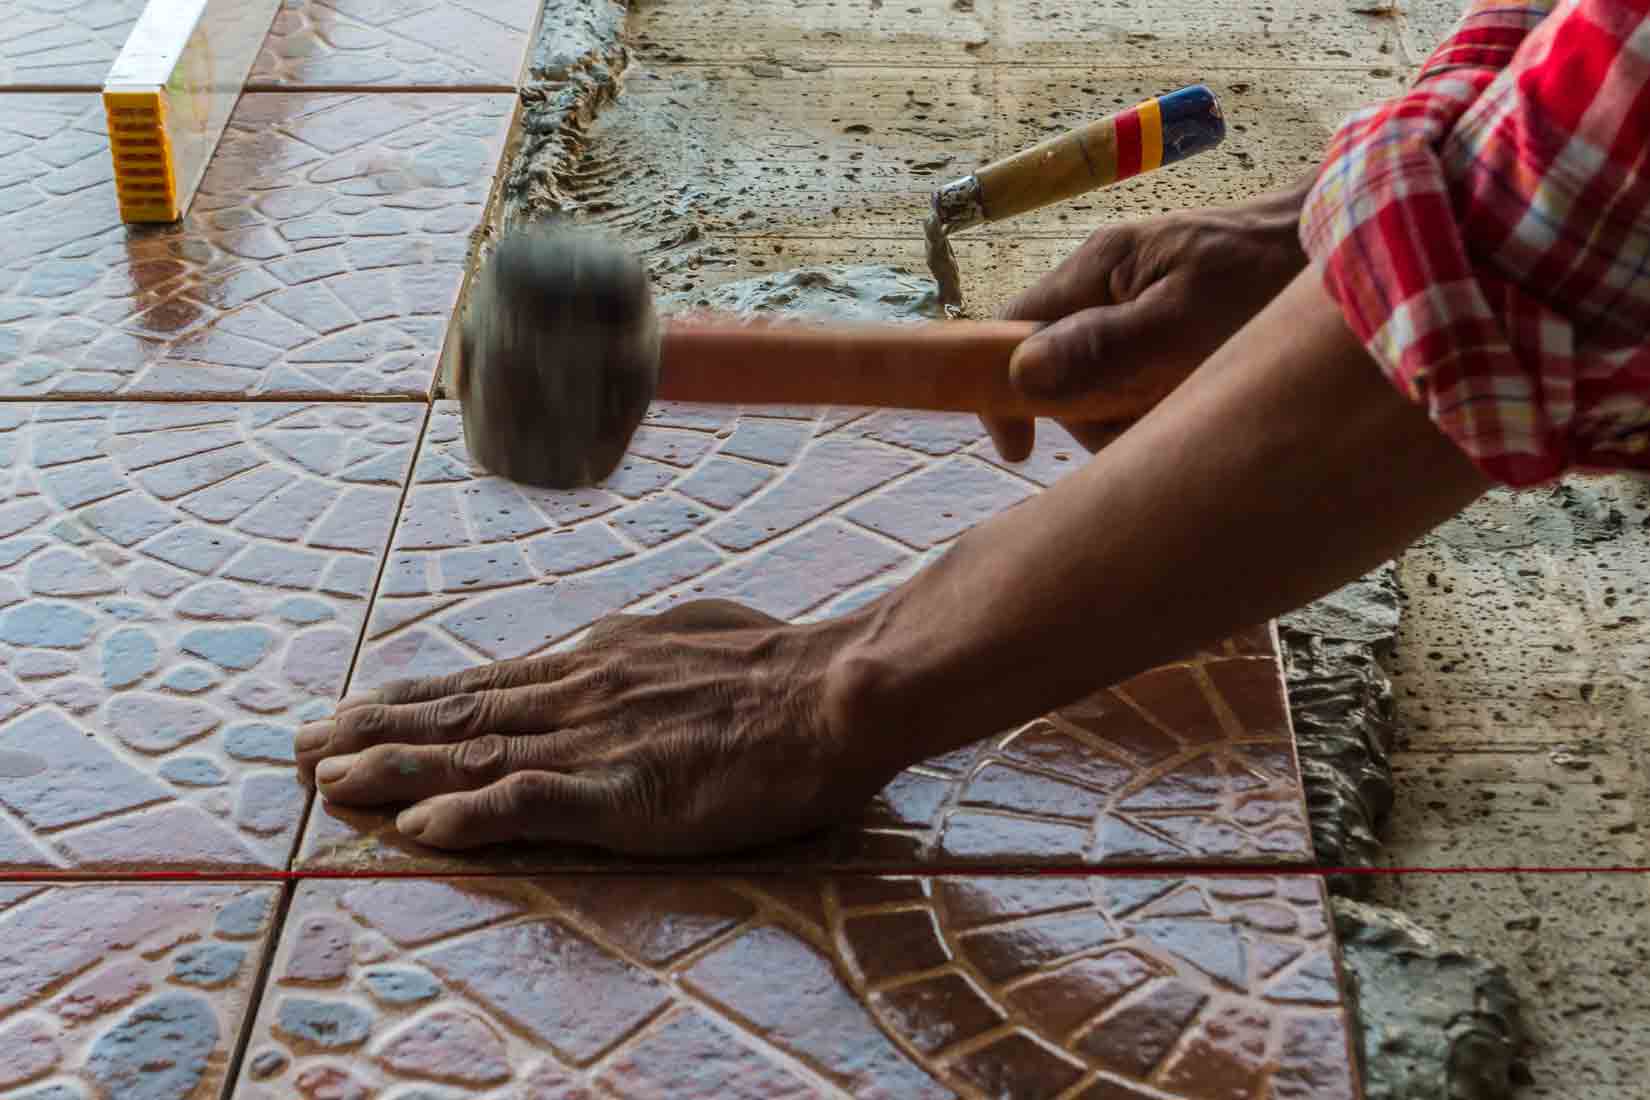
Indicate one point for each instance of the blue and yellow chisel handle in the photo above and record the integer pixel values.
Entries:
(1141, 139)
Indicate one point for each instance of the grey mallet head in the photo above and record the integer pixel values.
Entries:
(558, 359)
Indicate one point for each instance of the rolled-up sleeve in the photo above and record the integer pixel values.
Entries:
(1487, 236)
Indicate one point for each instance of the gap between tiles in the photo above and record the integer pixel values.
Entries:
(311, 793)
(260, 983)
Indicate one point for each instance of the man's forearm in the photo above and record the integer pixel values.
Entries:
(1283, 468)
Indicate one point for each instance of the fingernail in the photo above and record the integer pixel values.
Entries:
(312, 735)
(411, 822)
(333, 768)
(359, 699)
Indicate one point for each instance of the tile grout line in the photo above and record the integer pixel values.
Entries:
(313, 793)
(255, 996)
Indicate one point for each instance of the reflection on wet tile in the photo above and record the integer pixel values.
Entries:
(123, 990)
(699, 988)
(63, 43)
(1190, 762)
(182, 585)
(322, 255)
(397, 43)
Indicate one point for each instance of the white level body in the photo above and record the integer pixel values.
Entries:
(169, 95)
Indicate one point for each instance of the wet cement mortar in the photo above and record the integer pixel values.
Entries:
(1435, 1022)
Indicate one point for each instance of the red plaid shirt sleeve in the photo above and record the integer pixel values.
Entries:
(1487, 236)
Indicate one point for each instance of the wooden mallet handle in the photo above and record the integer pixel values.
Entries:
(949, 366)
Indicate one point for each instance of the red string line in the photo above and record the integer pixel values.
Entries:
(1143, 871)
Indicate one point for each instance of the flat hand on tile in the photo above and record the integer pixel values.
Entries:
(701, 729)
(1165, 291)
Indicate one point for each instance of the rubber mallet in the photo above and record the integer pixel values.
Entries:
(561, 352)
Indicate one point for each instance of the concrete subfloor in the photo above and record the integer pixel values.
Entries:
(1521, 675)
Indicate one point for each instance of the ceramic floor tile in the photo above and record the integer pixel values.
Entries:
(62, 43)
(322, 256)
(182, 586)
(1106, 988)
(128, 991)
(806, 514)
(397, 43)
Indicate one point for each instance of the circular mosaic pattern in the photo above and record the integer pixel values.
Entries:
(185, 583)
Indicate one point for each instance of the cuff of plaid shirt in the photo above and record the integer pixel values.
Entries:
(1388, 225)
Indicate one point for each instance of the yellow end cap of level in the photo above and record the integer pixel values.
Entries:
(145, 183)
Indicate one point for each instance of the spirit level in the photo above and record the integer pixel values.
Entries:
(169, 95)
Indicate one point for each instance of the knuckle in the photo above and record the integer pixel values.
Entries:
(397, 691)
(384, 759)
(364, 723)
(473, 680)
(523, 792)
(456, 713)
(482, 757)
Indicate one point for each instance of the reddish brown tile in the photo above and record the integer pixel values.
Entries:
(183, 584)
(397, 43)
(126, 990)
(1188, 763)
(556, 987)
(63, 43)
(322, 256)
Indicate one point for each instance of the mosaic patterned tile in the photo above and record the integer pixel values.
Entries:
(808, 513)
(63, 43)
(182, 586)
(1108, 988)
(397, 43)
(322, 256)
(136, 992)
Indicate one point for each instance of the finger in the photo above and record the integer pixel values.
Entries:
(529, 805)
(399, 774)
(1012, 437)
(537, 708)
(1083, 280)
(1074, 356)
(500, 674)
